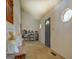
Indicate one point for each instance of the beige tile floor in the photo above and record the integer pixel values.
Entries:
(37, 50)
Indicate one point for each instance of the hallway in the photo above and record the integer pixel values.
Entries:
(42, 22)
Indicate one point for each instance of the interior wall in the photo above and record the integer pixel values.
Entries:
(17, 22)
(42, 31)
(28, 22)
(63, 37)
(61, 33)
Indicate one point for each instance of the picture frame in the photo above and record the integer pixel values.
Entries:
(9, 11)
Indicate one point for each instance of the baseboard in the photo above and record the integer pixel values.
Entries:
(57, 53)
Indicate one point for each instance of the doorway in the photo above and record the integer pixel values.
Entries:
(47, 32)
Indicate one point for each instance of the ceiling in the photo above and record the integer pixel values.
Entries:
(38, 8)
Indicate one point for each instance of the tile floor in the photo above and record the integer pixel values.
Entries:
(37, 50)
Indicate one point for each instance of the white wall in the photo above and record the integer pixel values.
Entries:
(17, 21)
(17, 15)
(61, 33)
(42, 31)
(63, 37)
(28, 22)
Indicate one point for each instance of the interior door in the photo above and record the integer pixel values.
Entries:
(47, 32)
